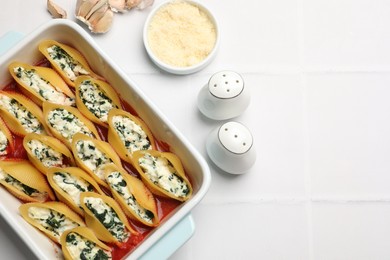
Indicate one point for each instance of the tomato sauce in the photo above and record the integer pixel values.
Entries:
(164, 205)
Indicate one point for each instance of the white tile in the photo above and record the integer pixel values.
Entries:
(267, 41)
(277, 128)
(350, 34)
(24, 11)
(351, 231)
(349, 134)
(261, 231)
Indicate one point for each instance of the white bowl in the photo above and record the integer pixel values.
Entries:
(196, 167)
(175, 69)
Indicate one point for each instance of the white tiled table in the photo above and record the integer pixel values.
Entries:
(319, 73)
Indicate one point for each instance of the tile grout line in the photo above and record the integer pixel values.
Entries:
(306, 161)
(292, 71)
(297, 200)
(305, 128)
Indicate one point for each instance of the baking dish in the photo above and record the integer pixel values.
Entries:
(70, 33)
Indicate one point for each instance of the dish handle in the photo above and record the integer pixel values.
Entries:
(8, 40)
(172, 240)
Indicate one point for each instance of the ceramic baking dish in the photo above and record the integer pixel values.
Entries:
(68, 32)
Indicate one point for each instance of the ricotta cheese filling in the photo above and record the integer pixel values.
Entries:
(51, 220)
(116, 182)
(43, 87)
(71, 67)
(107, 217)
(97, 102)
(161, 172)
(72, 185)
(132, 135)
(29, 191)
(67, 124)
(82, 248)
(28, 121)
(92, 157)
(45, 154)
(3, 143)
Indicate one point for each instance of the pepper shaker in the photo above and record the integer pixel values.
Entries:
(231, 148)
(224, 96)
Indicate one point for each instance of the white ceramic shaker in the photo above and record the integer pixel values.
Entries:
(224, 96)
(231, 148)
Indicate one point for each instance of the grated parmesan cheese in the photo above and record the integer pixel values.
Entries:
(181, 34)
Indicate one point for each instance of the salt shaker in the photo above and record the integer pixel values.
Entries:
(231, 148)
(224, 96)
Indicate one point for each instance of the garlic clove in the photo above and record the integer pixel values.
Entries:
(55, 10)
(117, 5)
(144, 3)
(105, 22)
(132, 3)
(83, 7)
(101, 4)
(96, 14)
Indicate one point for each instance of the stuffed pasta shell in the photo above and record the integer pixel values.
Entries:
(82, 243)
(24, 181)
(45, 152)
(67, 61)
(65, 121)
(95, 98)
(133, 196)
(6, 139)
(127, 134)
(21, 115)
(163, 173)
(105, 217)
(68, 183)
(52, 218)
(41, 84)
(92, 154)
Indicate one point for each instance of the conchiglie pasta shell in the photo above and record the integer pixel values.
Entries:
(92, 222)
(103, 87)
(114, 138)
(48, 107)
(64, 196)
(13, 124)
(52, 205)
(138, 189)
(47, 74)
(27, 174)
(175, 162)
(84, 232)
(54, 144)
(10, 139)
(75, 54)
(103, 147)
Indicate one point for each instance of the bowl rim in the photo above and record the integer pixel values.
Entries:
(174, 69)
